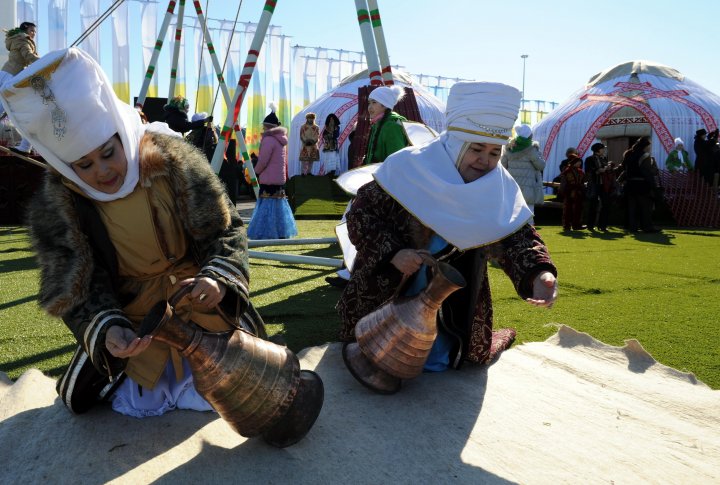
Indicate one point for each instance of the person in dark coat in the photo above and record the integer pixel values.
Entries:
(176, 116)
(640, 185)
(598, 208)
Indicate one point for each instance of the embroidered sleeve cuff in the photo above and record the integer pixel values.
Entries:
(94, 336)
(222, 270)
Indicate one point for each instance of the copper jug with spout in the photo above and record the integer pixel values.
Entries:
(394, 341)
(255, 385)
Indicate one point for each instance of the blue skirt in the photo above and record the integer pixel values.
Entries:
(272, 219)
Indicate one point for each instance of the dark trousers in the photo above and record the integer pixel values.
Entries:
(572, 210)
(598, 210)
(639, 211)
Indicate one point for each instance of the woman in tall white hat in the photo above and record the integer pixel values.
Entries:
(126, 216)
(452, 199)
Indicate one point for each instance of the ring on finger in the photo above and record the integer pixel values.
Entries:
(202, 296)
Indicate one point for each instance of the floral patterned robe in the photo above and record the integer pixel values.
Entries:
(379, 227)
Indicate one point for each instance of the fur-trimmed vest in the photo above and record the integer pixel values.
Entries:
(79, 270)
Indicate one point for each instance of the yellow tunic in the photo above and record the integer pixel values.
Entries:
(152, 253)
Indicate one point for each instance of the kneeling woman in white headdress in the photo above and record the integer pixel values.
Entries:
(450, 198)
(126, 217)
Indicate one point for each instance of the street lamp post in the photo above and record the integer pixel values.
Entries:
(524, 57)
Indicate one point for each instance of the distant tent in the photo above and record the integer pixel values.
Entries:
(343, 101)
(630, 100)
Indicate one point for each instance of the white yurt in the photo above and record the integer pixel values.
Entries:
(343, 101)
(619, 104)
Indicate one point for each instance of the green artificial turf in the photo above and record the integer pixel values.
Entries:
(661, 289)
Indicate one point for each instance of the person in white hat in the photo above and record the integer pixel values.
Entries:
(386, 133)
(678, 160)
(449, 198)
(522, 159)
(126, 217)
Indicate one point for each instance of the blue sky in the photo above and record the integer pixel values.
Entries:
(567, 41)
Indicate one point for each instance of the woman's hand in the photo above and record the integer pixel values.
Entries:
(545, 290)
(408, 261)
(207, 292)
(122, 342)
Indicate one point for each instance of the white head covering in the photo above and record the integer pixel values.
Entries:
(523, 130)
(387, 96)
(482, 112)
(199, 116)
(426, 182)
(678, 141)
(65, 106)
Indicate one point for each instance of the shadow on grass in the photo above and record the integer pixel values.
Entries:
(654, 237)
(20, 264)
(15, 250)
(307, 318)
(19, 301)
(35, 359)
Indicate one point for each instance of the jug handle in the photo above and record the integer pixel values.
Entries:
(427, 259)
(185, 291)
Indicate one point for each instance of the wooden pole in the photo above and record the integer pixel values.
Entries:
(241, 90)
(366, 33)
(156, 53)
(23, 157)
(386, 70)
(176, 50)
(258, 243)
(296, 259)
(247, 163)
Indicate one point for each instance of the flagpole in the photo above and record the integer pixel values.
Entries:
(240, 91)
(176, 49)
(371, 54)
(386, 70)
(247, 163)
(156, 53)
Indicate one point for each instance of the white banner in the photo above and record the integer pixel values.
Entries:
(121, 53)
(149, 32)
(88, 15)
(26, 11)
(57, 24)
(205, 72)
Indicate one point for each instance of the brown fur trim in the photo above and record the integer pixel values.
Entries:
(153, 160)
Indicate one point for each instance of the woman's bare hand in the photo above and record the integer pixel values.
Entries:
(207, 292)
(122, 342)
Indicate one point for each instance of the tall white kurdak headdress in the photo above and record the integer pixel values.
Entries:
(65, 106)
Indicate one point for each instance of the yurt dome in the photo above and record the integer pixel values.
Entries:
(623, 102)
(343, 101)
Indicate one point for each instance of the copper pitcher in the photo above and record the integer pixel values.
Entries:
(394, 341)
(255, 385)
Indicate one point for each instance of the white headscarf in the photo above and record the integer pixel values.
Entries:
(65, 106)
(425, 180)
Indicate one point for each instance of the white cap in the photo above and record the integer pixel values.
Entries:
(64, 104)
(199, 116)
(678, 141)
(524, 131)
(387, 96)
(482, 112)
